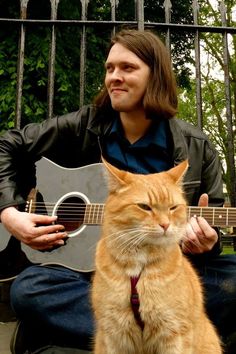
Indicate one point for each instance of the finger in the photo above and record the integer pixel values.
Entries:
(43, 219)
(191, 237)
(49, 241)
(194, 228)
(207, 230)
(37, 232)
(191, 246)
(203, 200)
(51, 229)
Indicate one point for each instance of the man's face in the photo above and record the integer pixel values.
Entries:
(126, 79)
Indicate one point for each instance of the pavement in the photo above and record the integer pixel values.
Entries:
(6, 330)
(7, 318)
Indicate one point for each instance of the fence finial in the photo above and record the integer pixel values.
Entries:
(222, 10)
(167, 6)
(114, 5)
(195, 7)
(84, 4)
(23, 8)
(54, 6)
(140, 13)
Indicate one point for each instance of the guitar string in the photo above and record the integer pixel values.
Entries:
(96, 212)
(76, 206)
(191, 208)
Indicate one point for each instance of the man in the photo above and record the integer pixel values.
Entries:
(131, 124)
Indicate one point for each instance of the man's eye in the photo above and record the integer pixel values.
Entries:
(144, 206)
(108, 68)
(128, 68)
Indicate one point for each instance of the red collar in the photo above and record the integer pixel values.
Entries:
(134, 300)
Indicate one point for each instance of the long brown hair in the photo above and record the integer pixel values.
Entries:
(160, 99)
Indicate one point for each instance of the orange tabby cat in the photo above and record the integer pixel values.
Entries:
(145, 219)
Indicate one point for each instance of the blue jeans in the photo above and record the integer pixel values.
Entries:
(53, 303)
(57, 300)
(219, 280)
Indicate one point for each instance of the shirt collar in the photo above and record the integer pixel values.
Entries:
(157, 135)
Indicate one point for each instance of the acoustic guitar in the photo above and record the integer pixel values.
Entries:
(76, 196)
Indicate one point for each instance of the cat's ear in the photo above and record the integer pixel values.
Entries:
(116, 178)
(177, 173)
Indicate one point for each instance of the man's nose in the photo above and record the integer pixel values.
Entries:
(116, 75)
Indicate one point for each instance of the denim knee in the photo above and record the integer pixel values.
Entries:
(55, 296)
(21, 300)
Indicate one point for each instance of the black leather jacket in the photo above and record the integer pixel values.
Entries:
(76, 139)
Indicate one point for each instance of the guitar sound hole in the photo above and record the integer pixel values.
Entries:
(70, 213)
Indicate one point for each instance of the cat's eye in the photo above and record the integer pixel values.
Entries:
(144, 206)
(172, 208)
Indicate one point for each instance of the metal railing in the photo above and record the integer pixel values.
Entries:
(26, 23)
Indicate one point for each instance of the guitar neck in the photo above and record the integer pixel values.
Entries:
(215, 216)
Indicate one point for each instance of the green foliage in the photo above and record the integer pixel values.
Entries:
(67, 65)
(8, 81)
(213, 92)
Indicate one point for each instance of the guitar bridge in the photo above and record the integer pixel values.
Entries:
(31, 199)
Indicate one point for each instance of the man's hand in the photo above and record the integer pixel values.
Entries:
(36, 231)
(200, 236)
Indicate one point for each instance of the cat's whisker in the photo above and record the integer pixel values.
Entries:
(133, 242)
(129, 234)
(135, 239)
(121, 234)
(125, 238)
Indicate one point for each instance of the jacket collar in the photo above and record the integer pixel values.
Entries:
(100, 123)
(180, 149)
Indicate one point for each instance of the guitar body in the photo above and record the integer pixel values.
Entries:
(56, 185)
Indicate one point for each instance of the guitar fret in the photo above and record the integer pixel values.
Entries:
(216, 216)
(221, 217)
(97, 215)
(85, 214)
(94, 214)
(101, 212)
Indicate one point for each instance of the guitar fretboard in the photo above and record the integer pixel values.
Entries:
(215, 216)
(94, 214)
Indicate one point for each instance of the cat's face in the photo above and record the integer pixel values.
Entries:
(145, 210)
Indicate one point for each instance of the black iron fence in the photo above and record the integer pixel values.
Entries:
(106, 17)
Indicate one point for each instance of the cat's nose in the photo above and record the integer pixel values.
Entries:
(165, 226)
